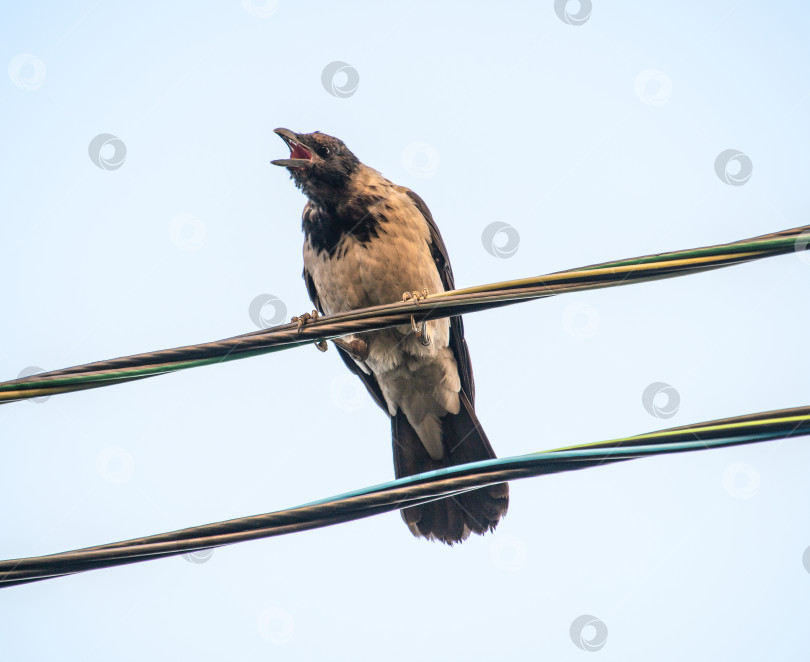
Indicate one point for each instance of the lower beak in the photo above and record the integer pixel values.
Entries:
(292, 163)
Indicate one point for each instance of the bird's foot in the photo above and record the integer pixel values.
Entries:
(303, 319)
(421, 330)
(306, 317)
(356, 348)
(415, 296)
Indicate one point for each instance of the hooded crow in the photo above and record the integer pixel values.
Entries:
(366, 241)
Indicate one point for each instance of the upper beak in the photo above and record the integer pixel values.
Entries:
(301, 154)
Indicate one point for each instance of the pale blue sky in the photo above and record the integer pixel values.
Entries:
(594, 142)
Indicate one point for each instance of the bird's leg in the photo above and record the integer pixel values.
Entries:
(421, 330)
(356, 348)
(303, 319)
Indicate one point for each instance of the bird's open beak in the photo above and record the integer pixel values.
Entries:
(300, 156)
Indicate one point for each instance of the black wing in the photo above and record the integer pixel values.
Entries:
(457, 343)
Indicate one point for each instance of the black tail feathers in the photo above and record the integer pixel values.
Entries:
(451, 519)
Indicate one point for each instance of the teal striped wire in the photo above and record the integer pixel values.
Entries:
(392, 495)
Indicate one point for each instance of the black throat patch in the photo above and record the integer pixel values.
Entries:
(327, 228)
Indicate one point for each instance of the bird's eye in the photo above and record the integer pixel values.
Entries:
(325, 151)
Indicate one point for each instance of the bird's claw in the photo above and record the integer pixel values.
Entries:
(415, 296)
(303, 319)
(421, 330)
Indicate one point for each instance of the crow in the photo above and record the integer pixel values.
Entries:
(366, 242)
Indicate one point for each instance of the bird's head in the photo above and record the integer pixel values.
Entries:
(320, 165)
